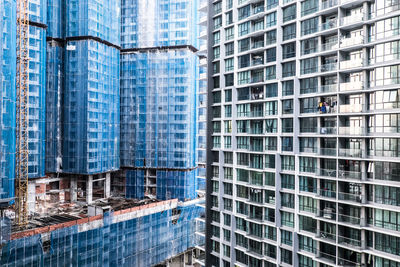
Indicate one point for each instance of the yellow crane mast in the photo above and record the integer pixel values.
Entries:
(21, 171)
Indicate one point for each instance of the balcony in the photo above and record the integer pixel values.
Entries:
(326, 257)
(351, 108)
(326, 193)
(346, 241)
(351, 86)
(328, 4)
(354, 175)
(256, 113)
(351, 153)
(331, 24)
(351, 130)
(327, 213)
(351, 64)
(350, 41)
(353, 19)
(326, 172)
(328, 88)
(329, 46)
(328, 151)
(328, 67)
(357, 198)
(351, 220)
(328, 236)
(327, 130)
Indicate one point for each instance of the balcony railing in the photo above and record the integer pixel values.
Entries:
(326, 256)
(351, 219)
(327, 130)
(329, 4)
(350, 41)
(326, 172)
(328, 67)
(328, 88)
(351, 152)
(358, 198)
(351, 108)
(352, 19)
(328, 25)
(351, 130)
(329, 46)
(353, 63)
(326, 193)
(350, 241)
(326, 235)
(327, 151)
(351, 86)
(327, 213)
(349, 175)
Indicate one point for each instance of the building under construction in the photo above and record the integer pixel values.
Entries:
(115, 133)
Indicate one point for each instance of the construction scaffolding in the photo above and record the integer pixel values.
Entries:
(91, 108)
(158, 109)
(37, 100)
(143, 23)
(54, 105)
(141, 236)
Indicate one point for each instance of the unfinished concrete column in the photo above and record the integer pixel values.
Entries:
(73, 192)
(89, 189)
(107, 185)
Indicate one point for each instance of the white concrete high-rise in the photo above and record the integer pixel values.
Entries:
(303, 159)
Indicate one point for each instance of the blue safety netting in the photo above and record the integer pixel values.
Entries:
(8, 97)
(151, 23)
(54, 106)
(56, 18)
(37, 99)
(38, 11)
(139, 242)
(91, 108)
(96, 18)
(176, 184)
(169, 184)
(135, 181)
(158, 109)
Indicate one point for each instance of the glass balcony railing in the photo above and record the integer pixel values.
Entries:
(326, 235)
(256, 113)
(351, 130)
(327, 213)
(328, 4)
(327, 130)
(329, 46)
(350, 242)
(328, 88)
(351, 219)
(351, 86)
(352, 63)
(327, 151)
(326, 172)
(349, 175)
(329, 257)
(326, 193)
(355, 18)
(358, 198)
(328, 25)
(328, 67)
(350, 41)
(351, 108)
(351, 152)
